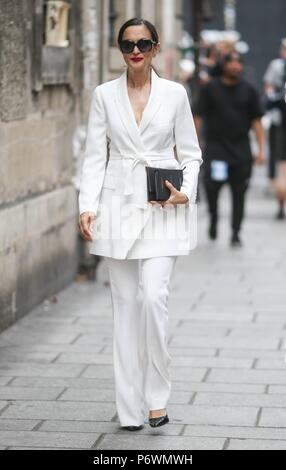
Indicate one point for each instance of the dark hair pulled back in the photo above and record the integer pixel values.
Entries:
(138, 22)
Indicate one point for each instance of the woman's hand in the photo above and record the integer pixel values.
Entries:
(176, 197)
(86, 225)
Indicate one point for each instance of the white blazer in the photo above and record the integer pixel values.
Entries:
(113, 177)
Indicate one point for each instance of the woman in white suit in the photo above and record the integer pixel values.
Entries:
(135, 120)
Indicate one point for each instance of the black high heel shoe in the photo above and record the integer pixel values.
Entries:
(160, 421)
(133, 428)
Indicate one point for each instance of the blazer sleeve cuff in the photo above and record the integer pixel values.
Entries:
(87, 209)
(190, 182)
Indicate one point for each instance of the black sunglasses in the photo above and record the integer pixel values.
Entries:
(144, 45)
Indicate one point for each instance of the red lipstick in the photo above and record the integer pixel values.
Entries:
(137, 59)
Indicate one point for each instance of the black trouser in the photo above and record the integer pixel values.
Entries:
(238, 180)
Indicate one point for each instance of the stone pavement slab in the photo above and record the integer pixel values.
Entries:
(256, 444)
(48, 439)
(148, 442)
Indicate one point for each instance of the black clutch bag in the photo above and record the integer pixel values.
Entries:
(156, 188)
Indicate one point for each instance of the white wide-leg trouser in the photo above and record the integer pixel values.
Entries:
(139, 294)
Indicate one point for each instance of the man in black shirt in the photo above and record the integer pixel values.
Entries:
(227, 108)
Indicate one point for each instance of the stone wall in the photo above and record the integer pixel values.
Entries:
(38, 203)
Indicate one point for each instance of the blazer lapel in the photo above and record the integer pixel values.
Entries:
(126, 112)
(153, 103)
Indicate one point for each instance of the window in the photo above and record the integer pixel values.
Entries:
(138, 10)
(56, 27)
(55, 45)
(112, 23)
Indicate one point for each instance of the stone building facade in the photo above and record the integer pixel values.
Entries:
(45, 90)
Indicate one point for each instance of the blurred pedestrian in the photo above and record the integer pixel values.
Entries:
(229, 107)
(222, 48)
(212, 56)
(275, 91)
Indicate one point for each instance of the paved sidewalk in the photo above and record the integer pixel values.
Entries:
(226, 340)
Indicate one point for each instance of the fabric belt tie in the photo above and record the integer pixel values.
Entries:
(130, 161)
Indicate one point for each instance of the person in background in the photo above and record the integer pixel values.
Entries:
(228, 107)
(223, 48)
(211, 65)
(275, 92)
